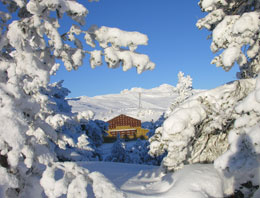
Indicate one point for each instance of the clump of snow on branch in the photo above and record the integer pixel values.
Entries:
(128, 59)
(95, 58)
(7, 180)
(119, 38)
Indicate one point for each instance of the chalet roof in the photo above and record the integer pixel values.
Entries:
(124, 116)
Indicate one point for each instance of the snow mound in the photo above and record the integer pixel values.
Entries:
(138, 181)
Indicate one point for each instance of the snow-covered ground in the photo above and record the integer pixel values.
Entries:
(153, 102)
(139, 181)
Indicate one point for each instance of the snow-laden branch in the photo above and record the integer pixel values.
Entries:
(235, 34)
(114, 41)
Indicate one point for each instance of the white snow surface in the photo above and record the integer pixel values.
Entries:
(138, 181)
(154, 102)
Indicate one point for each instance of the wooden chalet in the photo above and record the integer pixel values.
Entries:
(126, 127)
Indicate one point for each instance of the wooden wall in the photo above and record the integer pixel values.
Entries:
(123, 120)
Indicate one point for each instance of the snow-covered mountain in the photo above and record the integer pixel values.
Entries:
(143, 104)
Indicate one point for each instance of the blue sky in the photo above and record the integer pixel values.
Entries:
(175, 44)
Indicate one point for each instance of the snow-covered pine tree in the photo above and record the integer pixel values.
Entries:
(30, 44)
(235, 33)
(196, 131)
(222, 125)
(78, 135)
(119, 152)
(139, 154)
(183, 89)
(137, 151)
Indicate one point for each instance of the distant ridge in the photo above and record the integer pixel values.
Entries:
(154, 103)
